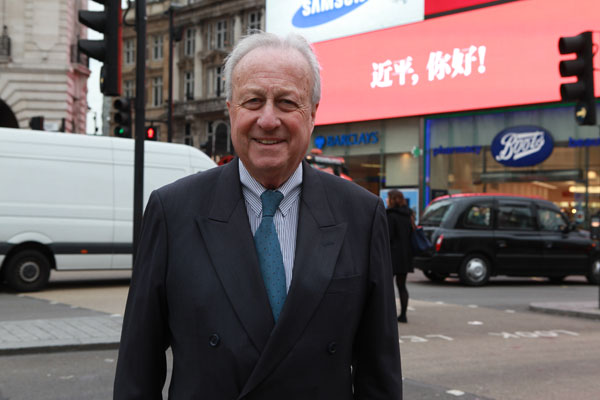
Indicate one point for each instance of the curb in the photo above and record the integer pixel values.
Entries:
(58, 348)
(587, 309)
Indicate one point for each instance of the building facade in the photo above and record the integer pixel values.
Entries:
(204, 32)
(42, 73)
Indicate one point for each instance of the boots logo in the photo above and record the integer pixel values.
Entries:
(318, 12)
(522, 146)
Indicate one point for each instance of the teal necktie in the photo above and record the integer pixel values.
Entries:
(269, 252)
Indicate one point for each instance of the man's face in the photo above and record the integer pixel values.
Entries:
(271, 113)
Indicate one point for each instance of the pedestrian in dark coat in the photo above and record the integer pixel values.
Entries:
(400, 224)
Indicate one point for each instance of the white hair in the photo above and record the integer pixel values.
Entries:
(263, 39)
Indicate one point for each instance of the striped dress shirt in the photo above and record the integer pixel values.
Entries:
(286, 216)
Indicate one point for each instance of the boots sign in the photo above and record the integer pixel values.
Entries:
(522, 146)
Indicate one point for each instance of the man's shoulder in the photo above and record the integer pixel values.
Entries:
(194, 186)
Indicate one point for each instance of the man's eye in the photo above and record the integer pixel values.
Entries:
(288, 104)
(253, 103)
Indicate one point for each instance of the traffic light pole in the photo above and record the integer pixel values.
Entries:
(170, 105)
(140, 122)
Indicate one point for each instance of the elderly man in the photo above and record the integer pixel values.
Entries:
(267, 278)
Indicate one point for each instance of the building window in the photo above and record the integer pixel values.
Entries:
(128, 88)
(157, 91)
(217, 84)
(190, 42)
(129, 50)
(221, 34)
(253, 21)
(188, 138)
(157, 48)
(188, 82)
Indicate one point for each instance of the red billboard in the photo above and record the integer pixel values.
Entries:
(492, 57)
(440, 6)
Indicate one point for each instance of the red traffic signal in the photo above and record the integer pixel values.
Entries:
(151, 133)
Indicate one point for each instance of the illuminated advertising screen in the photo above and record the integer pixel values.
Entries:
(498, 56)
(440, 6)
(319, 20)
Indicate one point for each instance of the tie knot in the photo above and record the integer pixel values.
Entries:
(270, 201)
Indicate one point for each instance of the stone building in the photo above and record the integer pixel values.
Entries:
(41, 71)
(204, 33)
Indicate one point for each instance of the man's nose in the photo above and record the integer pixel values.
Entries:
(268, 119)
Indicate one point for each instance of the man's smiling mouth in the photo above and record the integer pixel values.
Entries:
(268, 141)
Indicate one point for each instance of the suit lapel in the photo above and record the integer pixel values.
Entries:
(319, 240)
(229, 242)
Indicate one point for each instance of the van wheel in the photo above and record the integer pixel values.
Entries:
(593, 275)
(435, 276)
(27, 271)
(474, 270)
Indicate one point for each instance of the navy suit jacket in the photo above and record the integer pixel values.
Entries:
(197, 287)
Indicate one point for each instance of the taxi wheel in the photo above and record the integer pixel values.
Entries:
(474, 270)
(593, 275)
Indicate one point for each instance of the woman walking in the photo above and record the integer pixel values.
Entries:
(400, 224)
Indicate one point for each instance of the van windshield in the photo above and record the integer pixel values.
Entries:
(436, 212)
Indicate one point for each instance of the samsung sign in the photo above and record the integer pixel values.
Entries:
(319, 20)
(522, 146)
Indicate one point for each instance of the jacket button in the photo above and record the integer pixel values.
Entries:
(332, 348)
(214, 340)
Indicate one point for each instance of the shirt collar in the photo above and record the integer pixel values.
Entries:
(252, 190)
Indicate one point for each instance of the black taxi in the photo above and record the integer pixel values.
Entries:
(477, 236)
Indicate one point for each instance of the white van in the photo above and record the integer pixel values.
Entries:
(66, 200)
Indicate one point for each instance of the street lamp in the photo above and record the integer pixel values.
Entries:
(173, 37)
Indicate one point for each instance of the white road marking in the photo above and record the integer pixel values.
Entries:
(533, 334)
(473, 306)
(475, 323)
(420, 339)
(455, 392)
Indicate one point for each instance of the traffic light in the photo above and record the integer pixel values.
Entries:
(151, 132)
(122, 117)
(107, 50)
(582, 67)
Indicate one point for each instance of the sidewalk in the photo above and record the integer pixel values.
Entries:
(29, 325)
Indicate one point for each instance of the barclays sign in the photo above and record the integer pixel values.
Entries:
(522, 146)
(350, 139)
